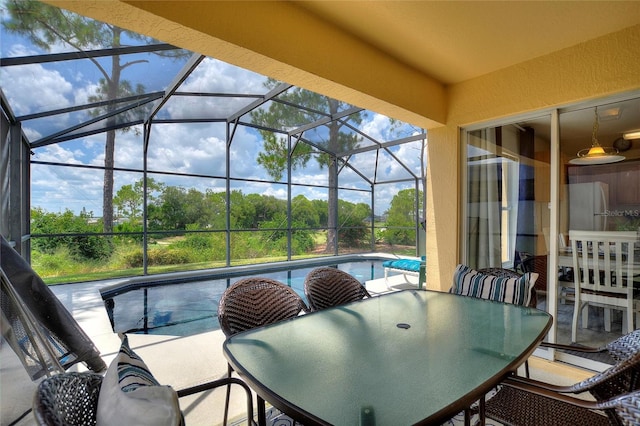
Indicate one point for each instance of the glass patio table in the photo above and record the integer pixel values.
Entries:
(409, 357)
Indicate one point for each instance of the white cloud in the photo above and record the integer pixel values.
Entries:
(213, 76)
(81, 94)
(33, 88)
(376, 127)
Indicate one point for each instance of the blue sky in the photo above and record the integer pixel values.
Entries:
(192, 148)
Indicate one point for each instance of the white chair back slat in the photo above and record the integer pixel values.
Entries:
(603, 263)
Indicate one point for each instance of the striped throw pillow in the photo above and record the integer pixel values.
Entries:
(130, 395)
(469, 282)
(132, 371)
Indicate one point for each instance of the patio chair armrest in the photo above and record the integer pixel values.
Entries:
(572, 348)
(212, 385)
(516, 381)
(532, 386)
(226, 381)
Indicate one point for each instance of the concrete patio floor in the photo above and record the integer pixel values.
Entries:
(178, 361)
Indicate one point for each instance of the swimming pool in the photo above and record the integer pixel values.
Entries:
(187, 305)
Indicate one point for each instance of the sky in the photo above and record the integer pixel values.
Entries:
(198, 149)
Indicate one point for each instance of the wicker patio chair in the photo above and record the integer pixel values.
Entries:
(71, 398)
(500, 272)
(254, 302)
(522, 401)
(534, 406)
(618, 350)
(326, 287)
(507, 273)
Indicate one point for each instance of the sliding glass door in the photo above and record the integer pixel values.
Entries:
(524, 194)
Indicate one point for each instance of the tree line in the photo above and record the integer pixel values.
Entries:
(200, 217)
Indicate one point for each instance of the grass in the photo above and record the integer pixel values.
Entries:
(59, 268)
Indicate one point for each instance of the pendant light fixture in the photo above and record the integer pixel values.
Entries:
(597, 154)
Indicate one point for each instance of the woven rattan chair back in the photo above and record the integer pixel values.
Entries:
(326, 287)
(618, 350)
(67, 399)
(538, 404)
(256, 301)
(625, 347)
(628, 409)
(623, 377)
(500, 272)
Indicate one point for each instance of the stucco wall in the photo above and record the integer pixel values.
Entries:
(595, 69)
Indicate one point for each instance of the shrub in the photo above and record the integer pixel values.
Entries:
(133, 258)
(169, 256)
(91, 248)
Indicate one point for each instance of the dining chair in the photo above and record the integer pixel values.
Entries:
(603, 275)
(483, 283)
(254, 302)
(520, 401)
(508, 273)
(327, 286)
(479, 283)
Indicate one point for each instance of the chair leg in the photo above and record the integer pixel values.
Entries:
(262, 412)
(481, 408)
(576, 313)
(607, 319)
(585, 315)
(226, 403)
(526, 369)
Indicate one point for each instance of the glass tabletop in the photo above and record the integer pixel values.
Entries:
(405, 357)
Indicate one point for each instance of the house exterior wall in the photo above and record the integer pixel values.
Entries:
(594, 69)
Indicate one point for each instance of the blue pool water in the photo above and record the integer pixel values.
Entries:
(188, 307)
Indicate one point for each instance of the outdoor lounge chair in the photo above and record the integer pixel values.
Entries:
(254, 302)
(36, 325)
(412, 267)
(326, 287)
(520, 401)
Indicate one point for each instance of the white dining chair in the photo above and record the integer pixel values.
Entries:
(603, 264)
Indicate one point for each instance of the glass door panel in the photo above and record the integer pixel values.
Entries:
(508, 198)
(596, 196)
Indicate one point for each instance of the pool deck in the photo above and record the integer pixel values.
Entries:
(178, 361)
